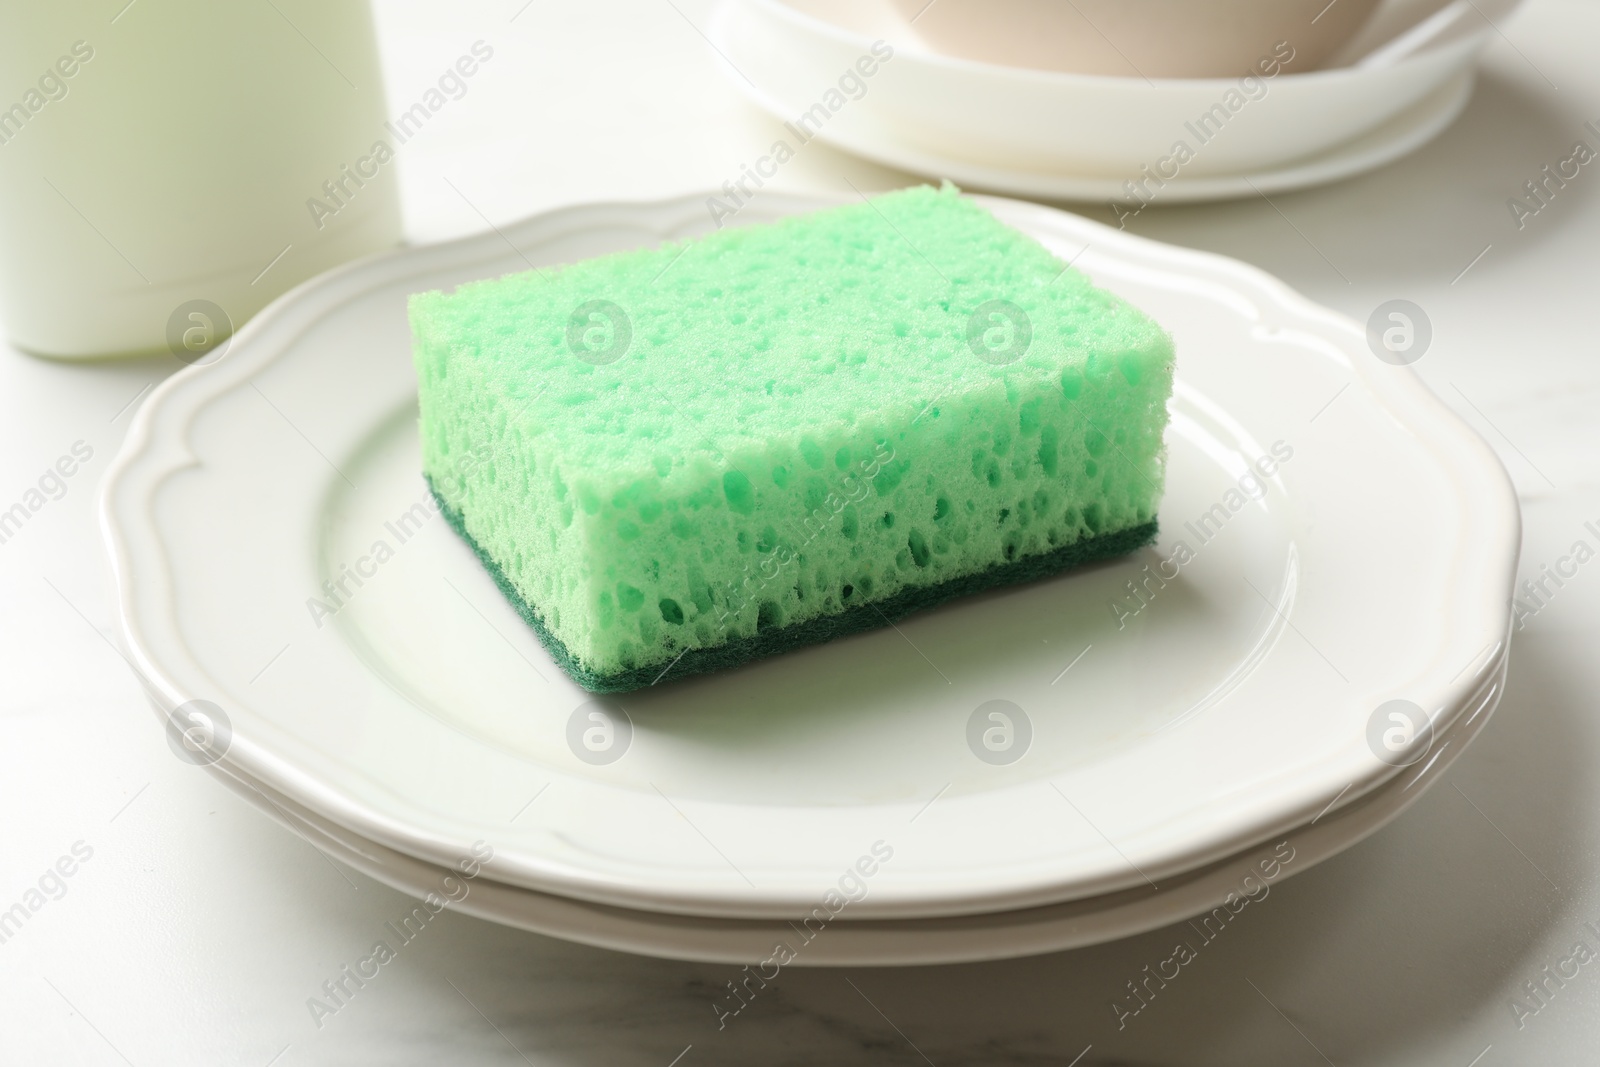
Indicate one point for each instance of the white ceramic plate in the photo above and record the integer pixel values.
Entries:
(1399, 136)
(424, 716)
(1069, 135)
(892, 942)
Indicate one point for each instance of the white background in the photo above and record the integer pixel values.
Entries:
(198, 929)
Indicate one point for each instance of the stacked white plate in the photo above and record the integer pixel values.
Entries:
(1404, 78)
(1030, 769)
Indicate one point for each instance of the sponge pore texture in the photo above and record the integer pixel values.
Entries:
(702, 452)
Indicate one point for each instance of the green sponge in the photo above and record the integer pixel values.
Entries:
(677, 459)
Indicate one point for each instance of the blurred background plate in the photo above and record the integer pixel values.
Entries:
(1397, 137)
(1067, 135)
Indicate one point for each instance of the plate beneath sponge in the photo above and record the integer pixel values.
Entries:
(1333, 540)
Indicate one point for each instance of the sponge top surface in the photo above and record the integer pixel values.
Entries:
(644, 361)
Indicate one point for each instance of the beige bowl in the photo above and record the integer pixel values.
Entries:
(1134, 38)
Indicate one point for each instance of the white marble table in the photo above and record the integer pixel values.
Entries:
(196, 930)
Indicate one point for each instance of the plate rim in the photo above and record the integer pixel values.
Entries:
(917, 942)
